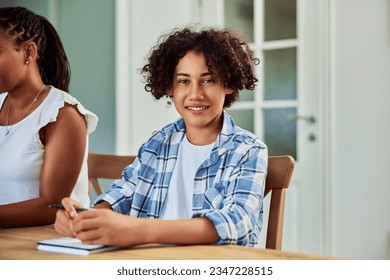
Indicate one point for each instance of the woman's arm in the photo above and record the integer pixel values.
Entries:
(65, 143)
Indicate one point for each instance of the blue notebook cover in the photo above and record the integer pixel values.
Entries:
(69, 245)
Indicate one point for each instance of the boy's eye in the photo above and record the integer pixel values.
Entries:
(208, 81)
(182, 81)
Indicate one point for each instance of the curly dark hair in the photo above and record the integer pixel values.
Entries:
(22, 25)
(229, 57)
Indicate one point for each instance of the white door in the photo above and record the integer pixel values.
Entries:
(284, 109)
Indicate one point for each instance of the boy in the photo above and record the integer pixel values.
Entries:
(198, 180)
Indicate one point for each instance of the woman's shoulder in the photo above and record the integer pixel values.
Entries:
(61, 101)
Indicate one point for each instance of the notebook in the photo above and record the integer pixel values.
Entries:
(68, 245)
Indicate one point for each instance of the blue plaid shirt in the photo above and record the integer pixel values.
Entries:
(228, 187)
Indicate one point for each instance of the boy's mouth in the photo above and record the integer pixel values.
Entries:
(200, 108)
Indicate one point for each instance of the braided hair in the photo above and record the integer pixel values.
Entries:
(227, 56)
(23, 25)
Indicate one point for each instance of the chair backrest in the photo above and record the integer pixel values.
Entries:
(105, 166)
(280, 170)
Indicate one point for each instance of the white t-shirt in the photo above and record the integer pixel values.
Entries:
(21, 151)
(178, 204)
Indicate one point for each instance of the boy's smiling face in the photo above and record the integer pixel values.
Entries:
(198, 97)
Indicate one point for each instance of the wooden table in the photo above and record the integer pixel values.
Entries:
(21, 244)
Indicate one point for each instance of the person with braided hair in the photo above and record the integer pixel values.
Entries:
(43, 130)
(198, 180)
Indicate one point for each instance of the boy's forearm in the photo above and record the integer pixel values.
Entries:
(192, 231)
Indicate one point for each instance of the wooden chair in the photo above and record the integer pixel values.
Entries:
(105, 166)
(280, 170)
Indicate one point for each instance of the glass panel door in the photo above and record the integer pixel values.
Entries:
(270, 110)
(239, 15)
(280, 19)
(283, 110)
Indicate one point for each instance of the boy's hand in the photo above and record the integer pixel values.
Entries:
(63, 223)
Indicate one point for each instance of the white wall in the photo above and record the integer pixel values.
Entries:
(361, 83)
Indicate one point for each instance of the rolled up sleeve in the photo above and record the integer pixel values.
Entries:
(235, 205)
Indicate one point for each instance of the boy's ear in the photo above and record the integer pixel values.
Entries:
(229, 91)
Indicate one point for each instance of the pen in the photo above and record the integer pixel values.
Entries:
(59, 206)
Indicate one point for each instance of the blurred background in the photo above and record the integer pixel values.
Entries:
(323, 97)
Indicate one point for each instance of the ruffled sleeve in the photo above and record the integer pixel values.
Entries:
(56, 100)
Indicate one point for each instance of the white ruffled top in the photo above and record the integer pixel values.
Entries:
(21, 151)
